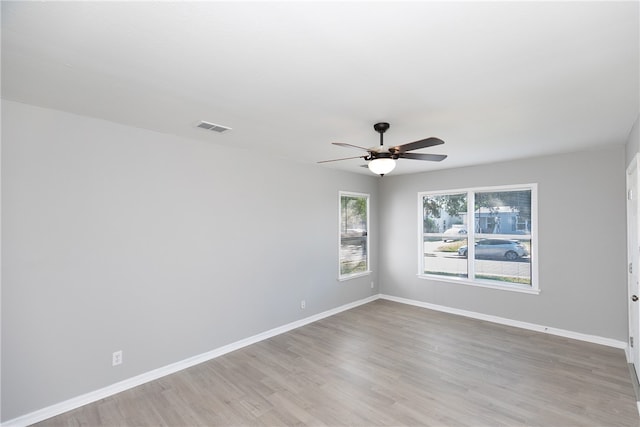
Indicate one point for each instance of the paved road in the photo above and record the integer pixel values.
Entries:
(451, 262)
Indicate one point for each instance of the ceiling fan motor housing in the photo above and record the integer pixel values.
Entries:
(381, 155)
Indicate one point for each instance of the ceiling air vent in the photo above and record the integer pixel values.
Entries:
(213, 127)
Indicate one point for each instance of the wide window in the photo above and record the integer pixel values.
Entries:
(480, 236)
(354, 234)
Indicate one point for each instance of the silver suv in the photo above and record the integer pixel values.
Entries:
(497, 248)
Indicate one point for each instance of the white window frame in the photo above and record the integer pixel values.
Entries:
(343, 277)
(472, 235)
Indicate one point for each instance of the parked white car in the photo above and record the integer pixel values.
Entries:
(454, 233)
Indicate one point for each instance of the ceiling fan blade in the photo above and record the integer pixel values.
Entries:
(421, 156)
(342, 144)
(344, 158)
(423, 143)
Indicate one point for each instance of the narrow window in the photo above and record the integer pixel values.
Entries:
(354, 235)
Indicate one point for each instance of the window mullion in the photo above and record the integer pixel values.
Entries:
(471, 235)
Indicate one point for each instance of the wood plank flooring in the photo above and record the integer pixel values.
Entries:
(386, 364)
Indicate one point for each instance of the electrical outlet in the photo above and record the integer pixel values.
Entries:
(116, 358)
(303, 304)
(371, 285)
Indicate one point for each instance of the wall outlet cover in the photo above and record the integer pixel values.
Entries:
(116, 358)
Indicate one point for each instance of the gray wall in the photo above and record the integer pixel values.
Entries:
(633, 141)
(117, 238)
(582, 249)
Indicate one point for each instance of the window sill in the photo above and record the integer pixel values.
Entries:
(354, 276)
(482, 284)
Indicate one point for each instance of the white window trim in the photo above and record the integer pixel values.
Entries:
(345, 277)
(471, 281)
(353, 276)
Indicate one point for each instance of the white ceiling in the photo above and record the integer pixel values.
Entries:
(495, 80)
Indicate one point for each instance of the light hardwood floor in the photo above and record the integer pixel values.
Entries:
(386, 363)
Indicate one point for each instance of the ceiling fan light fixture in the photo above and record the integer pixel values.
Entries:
(382, 166)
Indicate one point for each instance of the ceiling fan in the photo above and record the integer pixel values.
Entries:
(382, 160)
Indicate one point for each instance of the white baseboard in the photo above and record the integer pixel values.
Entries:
(509, 322)
(76, 402)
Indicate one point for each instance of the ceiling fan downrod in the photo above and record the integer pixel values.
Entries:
(381, 128)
